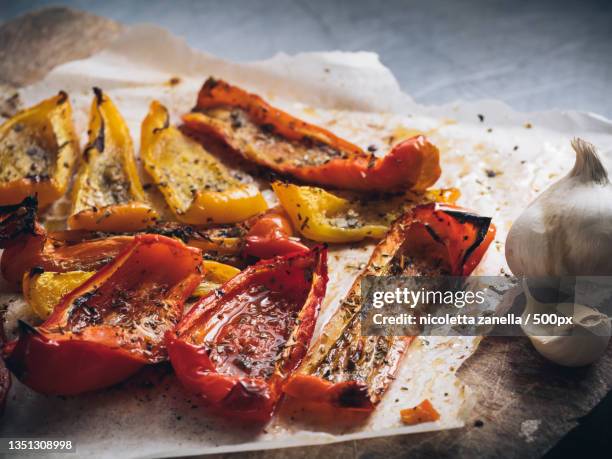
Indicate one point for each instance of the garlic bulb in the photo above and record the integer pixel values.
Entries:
(583, 342)
(567, 230)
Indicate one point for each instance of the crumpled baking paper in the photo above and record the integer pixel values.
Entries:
(498, 158)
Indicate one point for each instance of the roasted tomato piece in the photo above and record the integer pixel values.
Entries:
(237, 345)
(38, 151)
(108, 194)
(342, 217)
(287, 145)
(197, 186)
(346, 369)
(113, 324)
(271, 234)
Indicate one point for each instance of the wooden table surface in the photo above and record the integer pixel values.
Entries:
(514, 387)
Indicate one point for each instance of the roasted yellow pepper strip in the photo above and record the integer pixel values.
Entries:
(38, 150)
(108, 194)
(43, 291)
(215, 275)
(196, 186)
(325, 217)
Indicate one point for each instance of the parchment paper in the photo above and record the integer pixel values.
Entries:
(499, 163)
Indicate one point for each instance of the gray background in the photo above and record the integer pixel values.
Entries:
(532, 54)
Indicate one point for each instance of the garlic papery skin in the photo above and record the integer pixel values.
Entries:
(567, 229)
(580, 343)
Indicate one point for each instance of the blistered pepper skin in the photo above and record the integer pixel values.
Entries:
(38, 151)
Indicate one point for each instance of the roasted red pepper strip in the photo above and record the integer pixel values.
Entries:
(28, 246)
(270, 234)
(444, 222)
(277, 140)
(345, 369)
(113, 324)
(238, 344)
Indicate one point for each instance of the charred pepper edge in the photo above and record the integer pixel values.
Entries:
(480, 222)
(99, 142)
(18, 219)
(354, 394)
